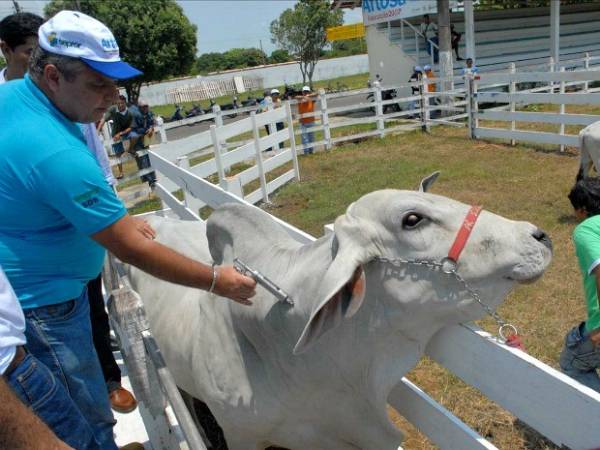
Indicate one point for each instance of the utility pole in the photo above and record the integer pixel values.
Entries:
(445, 67)
(263, 53)
(17, 7)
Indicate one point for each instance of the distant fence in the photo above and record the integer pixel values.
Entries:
(209, 89)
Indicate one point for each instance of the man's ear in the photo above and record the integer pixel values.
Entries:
(6, 51)
(52, 77)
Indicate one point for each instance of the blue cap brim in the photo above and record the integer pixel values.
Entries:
(118, 70)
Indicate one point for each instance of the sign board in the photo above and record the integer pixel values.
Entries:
(239, 84)
(352, 31)
(376, 11)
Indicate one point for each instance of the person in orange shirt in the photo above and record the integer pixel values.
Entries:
(306, 104)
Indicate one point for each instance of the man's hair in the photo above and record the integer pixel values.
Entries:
(122, 97)
(66, 65)
(16, 28)
(586, 195)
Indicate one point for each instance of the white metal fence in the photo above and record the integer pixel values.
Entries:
(207, 89)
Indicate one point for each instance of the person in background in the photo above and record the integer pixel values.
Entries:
(53, 191)
(141, 135)
(416, 90)
(470, 67)
(306, 105)
(25, 381)
(428, 71)
(580, 356)
(122, 123)
(430, 31)
(455, 39)
(18, 38)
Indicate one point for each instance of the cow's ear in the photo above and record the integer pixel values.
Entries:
(343, 287)
(428, 181)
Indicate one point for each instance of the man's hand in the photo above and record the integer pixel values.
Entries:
(144, 228)
(117, 137)
(232, 284)
(595, 337)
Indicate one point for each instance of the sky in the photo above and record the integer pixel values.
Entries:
(222, 24)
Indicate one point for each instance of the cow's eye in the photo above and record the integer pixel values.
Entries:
(411, 220)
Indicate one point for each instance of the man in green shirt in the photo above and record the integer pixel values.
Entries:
(580, 357)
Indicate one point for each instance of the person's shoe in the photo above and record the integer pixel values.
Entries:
(122, 401)
(132, 446)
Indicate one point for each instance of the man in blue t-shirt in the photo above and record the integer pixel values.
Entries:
(59, 214)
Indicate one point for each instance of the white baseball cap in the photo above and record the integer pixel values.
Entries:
(305, 89)
(74, 34)
(274, 91)
(427, 67)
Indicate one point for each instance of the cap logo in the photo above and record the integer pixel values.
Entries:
(109, 45)
(55, 41)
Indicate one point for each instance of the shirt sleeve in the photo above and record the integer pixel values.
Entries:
(587, 247)
(71, 182)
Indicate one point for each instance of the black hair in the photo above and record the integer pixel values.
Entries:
(586, 195)
(16, 28)
(122, 97)
(425, 15)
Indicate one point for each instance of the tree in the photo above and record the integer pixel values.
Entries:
(279, 56)
(243, 57)
(302, 32)
(153, 35)
(2, 63)
(210, 62)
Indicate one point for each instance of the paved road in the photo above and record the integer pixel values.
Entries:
(188, 130)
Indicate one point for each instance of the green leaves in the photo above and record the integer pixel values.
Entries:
(302, 31)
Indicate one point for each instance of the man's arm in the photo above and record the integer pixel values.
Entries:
(20, 428)
(123, 239)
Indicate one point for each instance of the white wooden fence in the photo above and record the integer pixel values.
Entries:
(207, 89)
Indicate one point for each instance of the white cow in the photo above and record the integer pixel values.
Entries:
(589, 150)
(316, 375)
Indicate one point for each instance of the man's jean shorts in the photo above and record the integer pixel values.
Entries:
(580, 359)
(60, 336)
(37, 388)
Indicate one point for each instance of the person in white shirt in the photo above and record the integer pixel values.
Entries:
(18, 38)
(36, 387)
(430, 31)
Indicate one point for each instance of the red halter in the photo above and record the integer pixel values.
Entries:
(462, 236)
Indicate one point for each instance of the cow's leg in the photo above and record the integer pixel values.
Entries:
(207, 425)
(585, 162)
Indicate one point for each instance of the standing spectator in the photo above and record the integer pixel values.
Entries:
(141, 135)
(470, 67)
(306, 105)
(430, 31)
(417, 75)
(18, 38)
(122, 123)
(455, 39)
(580, 357)
(431, 87)
(58, 198)
(277, 104)
(36, 387)
(53, 192)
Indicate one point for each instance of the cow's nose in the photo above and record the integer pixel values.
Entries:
(541, 236)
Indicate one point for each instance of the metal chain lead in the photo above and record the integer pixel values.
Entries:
(449, 269)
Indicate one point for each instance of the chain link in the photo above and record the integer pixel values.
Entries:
(450, 270)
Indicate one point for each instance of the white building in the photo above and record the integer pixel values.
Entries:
(495, 38)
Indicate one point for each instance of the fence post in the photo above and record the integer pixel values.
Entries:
(290, 124)
(469, 98)
(219, 123)
(552, 66)
(259, 161)
(325, 119)
(424, 104)
(379, 109)
(586, 66)
(562, 110)
(160, 123)
(512, 85)
(218, 156)
(189, 200)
